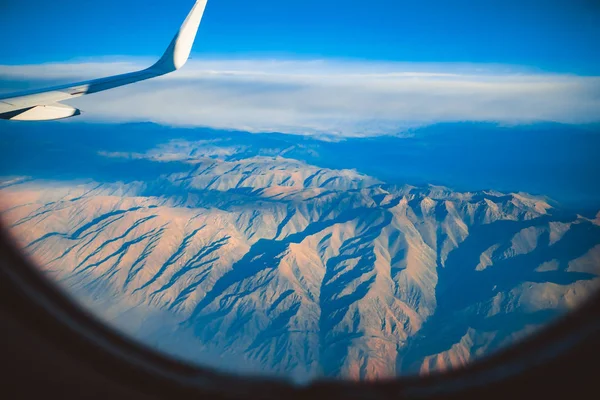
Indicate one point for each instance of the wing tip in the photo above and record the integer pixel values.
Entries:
(180, 48)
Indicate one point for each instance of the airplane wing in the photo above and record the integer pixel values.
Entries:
(44, 105)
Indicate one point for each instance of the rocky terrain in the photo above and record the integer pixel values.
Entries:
(269, 265)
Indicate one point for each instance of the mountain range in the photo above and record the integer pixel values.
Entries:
(267, 264)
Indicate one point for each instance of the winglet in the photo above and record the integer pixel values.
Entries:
(179, 50)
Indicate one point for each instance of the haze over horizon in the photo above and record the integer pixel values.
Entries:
(356, 71)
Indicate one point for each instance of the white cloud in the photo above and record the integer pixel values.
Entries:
(346, 98)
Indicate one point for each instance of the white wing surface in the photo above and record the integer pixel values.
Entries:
(44, 105)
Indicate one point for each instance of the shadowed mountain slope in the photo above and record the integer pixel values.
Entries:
(270, 265)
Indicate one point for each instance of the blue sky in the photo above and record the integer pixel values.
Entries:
(559, 36)
(324, 67)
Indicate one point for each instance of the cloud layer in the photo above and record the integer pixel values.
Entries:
(345, 98)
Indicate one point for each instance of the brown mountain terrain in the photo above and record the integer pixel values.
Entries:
(271, 265)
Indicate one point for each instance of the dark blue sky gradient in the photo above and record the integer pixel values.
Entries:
(559, 36)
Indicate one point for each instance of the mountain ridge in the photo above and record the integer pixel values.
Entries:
(300, 271)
